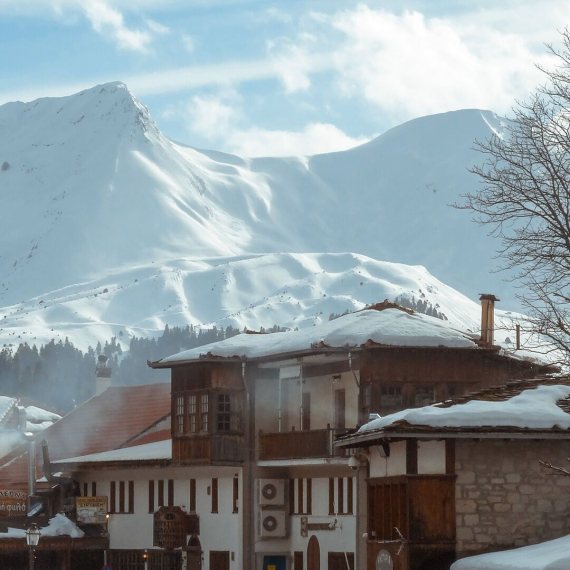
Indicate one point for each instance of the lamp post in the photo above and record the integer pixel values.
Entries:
(32, 538)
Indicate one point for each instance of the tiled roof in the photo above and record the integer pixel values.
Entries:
(108, 421)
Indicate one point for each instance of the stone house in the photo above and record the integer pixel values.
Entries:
(476, 460)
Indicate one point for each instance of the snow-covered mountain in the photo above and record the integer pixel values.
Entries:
(108, 226)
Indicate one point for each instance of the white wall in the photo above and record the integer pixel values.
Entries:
(431, 459)
(218, 531)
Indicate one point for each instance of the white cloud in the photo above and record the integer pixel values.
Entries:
(410, 65)
(188, 43)
(279, 15)
(157, 27)
(109, 22)
(220, 121)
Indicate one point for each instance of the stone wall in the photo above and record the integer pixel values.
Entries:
(505, 498)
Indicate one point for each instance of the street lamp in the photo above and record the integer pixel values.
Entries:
(32, 538)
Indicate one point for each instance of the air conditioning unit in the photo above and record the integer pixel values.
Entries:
(270, 492)
(272, 524)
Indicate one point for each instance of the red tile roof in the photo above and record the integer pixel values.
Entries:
(105, 422)
(152, 437)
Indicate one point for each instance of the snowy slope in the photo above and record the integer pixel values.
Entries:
(94, 196)
(293, 290)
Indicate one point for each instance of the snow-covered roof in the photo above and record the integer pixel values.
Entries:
(59, 525)
(551, 555)
(392, 327)
(6, 404)
(536, 408)
(157, 450)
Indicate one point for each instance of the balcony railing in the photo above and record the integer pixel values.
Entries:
(294, 444)
(207, 449)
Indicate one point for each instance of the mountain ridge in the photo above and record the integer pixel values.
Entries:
(94, 189)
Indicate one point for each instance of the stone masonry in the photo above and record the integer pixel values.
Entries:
(505, 498)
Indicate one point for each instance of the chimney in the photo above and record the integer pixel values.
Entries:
(22, 419)
(488, 318)
(103, 375)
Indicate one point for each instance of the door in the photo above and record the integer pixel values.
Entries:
(194, 554)
(314, 554)
(219, 560)
(274, 563)
(338, 561)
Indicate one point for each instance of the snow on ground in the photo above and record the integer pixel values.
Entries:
(146, 451)
(551, 555)
(59, 525)
(533, 409)
(390, 327)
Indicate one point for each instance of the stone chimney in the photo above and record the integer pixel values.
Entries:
(103, 375)
(488, 318)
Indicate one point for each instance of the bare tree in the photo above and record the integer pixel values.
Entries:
(525, 199)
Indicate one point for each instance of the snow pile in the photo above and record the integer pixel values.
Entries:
(38, 415)
(390, 327)
(59, 525)
(551, 555)
(147, 451)
(532, 409)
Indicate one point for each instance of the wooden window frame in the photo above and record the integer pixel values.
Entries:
(151, 496)
(112, 497)
(131, 508)
(160, 493)
(214, 493)
(235, 496)
(192, 508)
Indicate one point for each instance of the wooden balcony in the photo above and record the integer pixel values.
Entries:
(308, 444)
(207, 450)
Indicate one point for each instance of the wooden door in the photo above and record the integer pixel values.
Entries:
(313, 554)
(339, 409)
(194, 554)
(219, 560)
(337, 561)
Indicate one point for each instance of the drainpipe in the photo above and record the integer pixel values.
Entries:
(31, 469)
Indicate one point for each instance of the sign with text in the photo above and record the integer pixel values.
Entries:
(13, 503)
(169, 528)
(91, 510)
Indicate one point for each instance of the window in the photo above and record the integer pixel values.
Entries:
(341, 495)
(224, 412)
(171, 492)
(204, 410)
(236, 495)
(214, 495)
(300, 496)
(390, 399)
(425, 395)
(125, 502)
(192, 414)
(306, 411)
(151, 496)
(192, 495)
(180, 414)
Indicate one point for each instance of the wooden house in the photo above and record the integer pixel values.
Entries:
(465, 477)
(271, 406)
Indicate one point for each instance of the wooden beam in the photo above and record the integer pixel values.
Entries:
(411, 456)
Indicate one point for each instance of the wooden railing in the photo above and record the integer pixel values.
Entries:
(299, 444)
(207, 449)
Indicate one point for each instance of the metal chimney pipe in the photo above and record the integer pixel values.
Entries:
(488, 318)
(31, 467)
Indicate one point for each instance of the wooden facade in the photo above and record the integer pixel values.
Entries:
(299, 444)
(415, 516)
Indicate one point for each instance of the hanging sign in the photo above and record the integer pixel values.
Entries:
(13, 503)
(91, 510)
(384, 561)
(170, 528)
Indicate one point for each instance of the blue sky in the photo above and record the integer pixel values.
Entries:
(284, 77)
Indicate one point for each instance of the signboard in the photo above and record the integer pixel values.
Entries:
(169, 528)
(13, 503)
(384, 561)
(91, 510)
